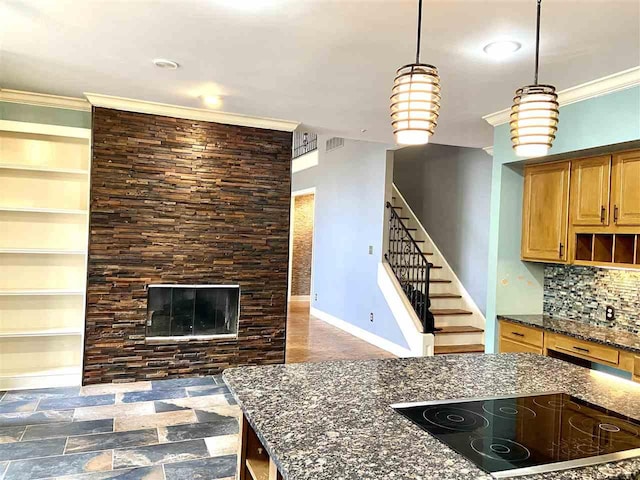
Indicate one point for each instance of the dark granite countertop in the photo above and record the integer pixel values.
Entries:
(333, 421)
(584, 331)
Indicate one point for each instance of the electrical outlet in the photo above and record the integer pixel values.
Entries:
(610, 312)
(370, 249)
(371, 317)
(315, 297)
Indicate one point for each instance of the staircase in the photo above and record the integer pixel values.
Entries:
(420, 269)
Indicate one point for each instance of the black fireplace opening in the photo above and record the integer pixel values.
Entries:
(192, 310)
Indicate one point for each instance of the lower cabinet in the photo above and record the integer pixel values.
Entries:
(254, 462)
(517, 338)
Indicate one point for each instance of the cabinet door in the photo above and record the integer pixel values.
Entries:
(545, 212)
(590, 181)
(626, 188)
(509, 346)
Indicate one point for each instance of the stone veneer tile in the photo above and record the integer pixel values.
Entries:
(582, 293)
(60, 465)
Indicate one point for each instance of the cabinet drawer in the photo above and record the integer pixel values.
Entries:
(521, 334)
(509, 346)
(587, 350)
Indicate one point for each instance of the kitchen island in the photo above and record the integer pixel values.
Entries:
(333, 420)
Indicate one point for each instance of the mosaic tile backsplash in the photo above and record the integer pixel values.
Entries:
(582, 293)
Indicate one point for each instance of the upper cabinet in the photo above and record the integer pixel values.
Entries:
(546, 212)
(626, 189)
(590, 182)
(584, 211)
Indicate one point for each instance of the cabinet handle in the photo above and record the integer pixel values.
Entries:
(517, 334)
(560, 250)
(615, 214)
(581, 349)
(602, 211)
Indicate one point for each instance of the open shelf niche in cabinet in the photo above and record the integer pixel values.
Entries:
(44, 172)
(254, 461)
(616, 249)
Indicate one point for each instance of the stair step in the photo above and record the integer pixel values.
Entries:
(444, 296)
(458, 329)
(438, 280)
(404, 218)
(449, 311)
(396, 208)
(436, 266)
(442, 349)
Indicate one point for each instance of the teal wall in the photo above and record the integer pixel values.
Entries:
(515, 286)
(19, 112)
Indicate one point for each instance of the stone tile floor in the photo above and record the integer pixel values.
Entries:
(179, 429)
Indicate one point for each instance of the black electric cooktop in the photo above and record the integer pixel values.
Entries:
(511, 436)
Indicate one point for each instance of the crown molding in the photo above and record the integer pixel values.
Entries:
(189, 113)
(602, 86)
(44, 100)
(488, 149)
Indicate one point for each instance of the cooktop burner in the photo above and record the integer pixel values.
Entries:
(522, 435)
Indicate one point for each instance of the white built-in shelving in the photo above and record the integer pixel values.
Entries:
(44, 173)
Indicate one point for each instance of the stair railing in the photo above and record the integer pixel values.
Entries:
(411, 269)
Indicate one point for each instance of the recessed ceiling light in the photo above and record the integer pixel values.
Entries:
(501, 48)
(211, 100)
(164, 63)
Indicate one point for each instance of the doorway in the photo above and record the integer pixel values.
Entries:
(301, 246)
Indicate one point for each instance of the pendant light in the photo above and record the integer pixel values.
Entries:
(415, 99)
(534, 115)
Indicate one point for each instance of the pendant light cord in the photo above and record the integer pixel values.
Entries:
(420, 30)
(537, 41)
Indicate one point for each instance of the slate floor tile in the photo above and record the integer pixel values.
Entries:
(132, 397)
(108, 441)
(36, 468)
(40, 393)
(155, 420)
(18, 406)
(158, 454)
(68, 403)
(204, 469)
(214, 417)
(37, 448)
(207, 402)
(218, 379)
(222, 445)
(67, 429)
(107, 388)
(167, 407)
(181, 382)
(21, 419)
(10, 434)
(199, 391)
(143, 473)
(177, 433)
(3, 468)
(114, 411)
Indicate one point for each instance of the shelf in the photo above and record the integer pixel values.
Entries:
(60, 211)
(39, 292)
(33, 168)
(44, 129)
(258, 468)
(54, 332)
(39, 251)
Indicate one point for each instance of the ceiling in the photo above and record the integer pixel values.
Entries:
(326, 63)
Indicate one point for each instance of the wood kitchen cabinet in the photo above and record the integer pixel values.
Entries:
(626, 188)
(545, 214)
(590, 191)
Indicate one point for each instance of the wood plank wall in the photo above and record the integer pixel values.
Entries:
(184, 202)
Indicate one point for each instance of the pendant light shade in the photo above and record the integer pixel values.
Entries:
(415, 99)
(534, 120)
(535, 112)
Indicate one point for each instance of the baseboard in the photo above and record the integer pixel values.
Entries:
(299, 298)
(362, 334)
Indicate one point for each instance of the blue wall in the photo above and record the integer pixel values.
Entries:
(515, 286)
(348, 218)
